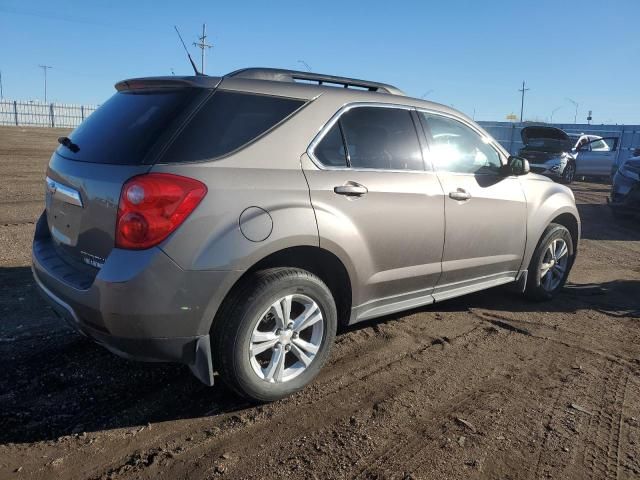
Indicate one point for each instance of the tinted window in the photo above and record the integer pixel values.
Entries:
(330, 151)
(126, 126)
(381, 138)
(454, 147)
(227, 122)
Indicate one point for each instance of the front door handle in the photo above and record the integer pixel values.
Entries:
(351, 189)
(460, 194)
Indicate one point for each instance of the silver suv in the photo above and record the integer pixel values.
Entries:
(234, 224)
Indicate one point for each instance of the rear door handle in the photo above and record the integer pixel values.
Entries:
(351, 189)
(460, 194)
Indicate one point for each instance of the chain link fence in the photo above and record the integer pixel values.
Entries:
(38, 114)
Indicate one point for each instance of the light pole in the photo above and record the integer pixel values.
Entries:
(45, 68)
(575, 118)
(554, 111)
(426, 93)
(1, 93)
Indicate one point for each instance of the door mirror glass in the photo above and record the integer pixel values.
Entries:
(517, 166)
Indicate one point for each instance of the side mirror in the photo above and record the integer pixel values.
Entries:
(516, 166)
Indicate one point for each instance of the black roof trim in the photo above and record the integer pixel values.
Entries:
(200, 81)
(281, 75)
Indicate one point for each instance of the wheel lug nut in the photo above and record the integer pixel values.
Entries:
(278, 332)
(287, 348)
(295, 335)
(278, 345)
(290, 325)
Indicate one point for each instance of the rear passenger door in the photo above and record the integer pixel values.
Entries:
(378, 206)
(485, 210)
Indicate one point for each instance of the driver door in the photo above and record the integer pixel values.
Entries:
(597, 157)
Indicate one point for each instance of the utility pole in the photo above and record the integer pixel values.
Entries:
(202, 44)
(575, 118)
(522, 103)
(1, 92)
(44, 69)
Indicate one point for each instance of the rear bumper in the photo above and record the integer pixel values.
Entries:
(140, 305)
(193, 351)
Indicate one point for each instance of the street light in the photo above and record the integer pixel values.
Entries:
(554, 111)
(575, 118)
(426, 93)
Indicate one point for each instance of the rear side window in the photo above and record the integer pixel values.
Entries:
(378, 138)
(126, 126)
(228, 121)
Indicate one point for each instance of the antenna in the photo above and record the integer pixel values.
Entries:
(195, 69)
(202, 45)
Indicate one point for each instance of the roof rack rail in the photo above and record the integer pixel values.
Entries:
(281, 75)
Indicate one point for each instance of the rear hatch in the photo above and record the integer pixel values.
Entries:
(118, 141)
(543, 143)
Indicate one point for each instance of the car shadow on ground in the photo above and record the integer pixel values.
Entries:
(601, 224)
(56, 383)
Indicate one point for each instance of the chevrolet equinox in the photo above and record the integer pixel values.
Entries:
(234, 223)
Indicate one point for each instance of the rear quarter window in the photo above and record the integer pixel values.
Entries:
(227, 122)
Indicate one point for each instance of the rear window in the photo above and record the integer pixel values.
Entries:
(227, 122)
(125, 127)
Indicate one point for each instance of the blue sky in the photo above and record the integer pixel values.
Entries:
(469, 54)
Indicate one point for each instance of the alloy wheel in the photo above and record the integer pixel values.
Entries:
(554, 264)
(286, 338)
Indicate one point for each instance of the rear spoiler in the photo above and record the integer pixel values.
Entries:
(168, 82)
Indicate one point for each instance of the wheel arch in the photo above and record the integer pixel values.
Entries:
(321, 262)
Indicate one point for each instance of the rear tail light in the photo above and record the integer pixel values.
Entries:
(152, 206)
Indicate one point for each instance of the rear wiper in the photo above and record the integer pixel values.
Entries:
(66, 142)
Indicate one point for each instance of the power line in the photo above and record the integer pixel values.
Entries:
(202, 44)
(522, 103)
(44, 69)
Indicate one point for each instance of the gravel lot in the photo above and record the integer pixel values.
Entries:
(484, 386)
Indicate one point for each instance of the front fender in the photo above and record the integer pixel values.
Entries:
(546, 201)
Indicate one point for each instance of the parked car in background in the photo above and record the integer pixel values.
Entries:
(595, 156)
(625, 189)
(549, 152)
(233, 223)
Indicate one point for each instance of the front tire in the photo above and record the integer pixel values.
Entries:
(274, 333)
(569, 173)
(551, 263)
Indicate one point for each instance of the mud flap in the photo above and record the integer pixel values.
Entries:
(202, 366)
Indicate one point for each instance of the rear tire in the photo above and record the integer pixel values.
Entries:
(551, 263)
(261, 351)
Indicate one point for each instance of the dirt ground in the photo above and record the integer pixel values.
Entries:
(484, 386)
